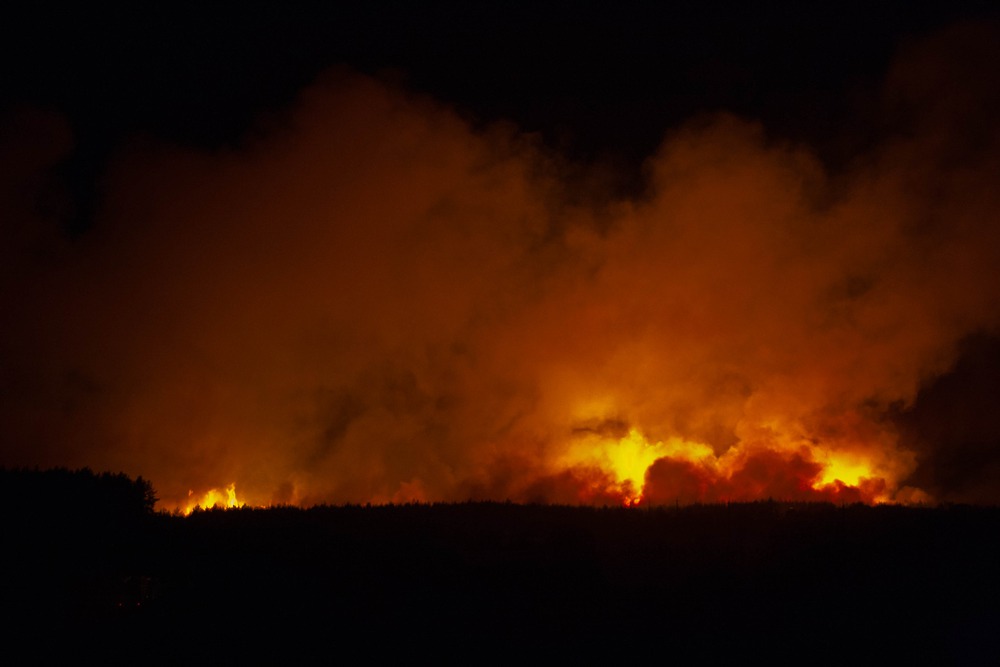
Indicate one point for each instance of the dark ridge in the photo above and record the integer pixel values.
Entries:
(492, 582)
(61, 491)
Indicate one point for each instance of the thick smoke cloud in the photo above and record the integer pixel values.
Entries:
(371, 301)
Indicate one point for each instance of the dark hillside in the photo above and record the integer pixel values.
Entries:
(487, 582)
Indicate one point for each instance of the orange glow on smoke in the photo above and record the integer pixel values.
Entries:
(377, 302)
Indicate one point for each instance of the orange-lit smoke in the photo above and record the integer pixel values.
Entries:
(370, 302)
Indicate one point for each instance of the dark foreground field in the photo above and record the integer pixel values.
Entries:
(493, 583)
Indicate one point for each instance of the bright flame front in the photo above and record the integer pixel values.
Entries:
(224, 498)
(677, 470)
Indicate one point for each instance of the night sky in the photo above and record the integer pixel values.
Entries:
(579, 253)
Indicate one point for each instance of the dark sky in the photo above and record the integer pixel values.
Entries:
(144, 149)
(596, 79)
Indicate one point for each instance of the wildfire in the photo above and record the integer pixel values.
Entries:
(845, 470)
(628, 458)
(223, 498)
(603, 463)
(677, 470)
(841, 470)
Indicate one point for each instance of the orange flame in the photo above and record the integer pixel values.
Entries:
(213, 498)
(628, 458)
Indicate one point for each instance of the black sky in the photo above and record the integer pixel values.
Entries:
(596, 79)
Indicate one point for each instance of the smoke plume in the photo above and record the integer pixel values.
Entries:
(370, 300)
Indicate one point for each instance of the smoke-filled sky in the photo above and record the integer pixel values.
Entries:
(394, 254)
